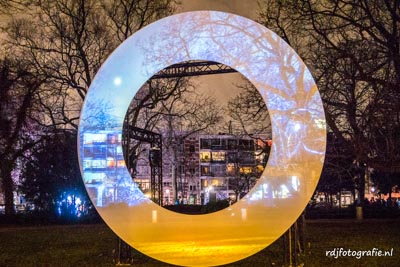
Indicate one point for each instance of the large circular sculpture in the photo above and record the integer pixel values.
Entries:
(294, 165)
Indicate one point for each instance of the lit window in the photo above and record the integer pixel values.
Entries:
(87, 164)
(245, 170)
(230, 168)
(120, 163)
(90, 138)
(260, 168)
(205, 156)
(205, 170)
(218, 156)
(110, 162)
(99, 163)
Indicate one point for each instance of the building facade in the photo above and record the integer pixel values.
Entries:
(195, 170)
(204, 168)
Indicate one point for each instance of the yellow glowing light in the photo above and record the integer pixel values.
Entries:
(246, 170)
(205, 156)
(295, 161)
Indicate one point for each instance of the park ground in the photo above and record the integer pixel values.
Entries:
(93, 245)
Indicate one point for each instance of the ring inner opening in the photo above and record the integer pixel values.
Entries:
(196, 137)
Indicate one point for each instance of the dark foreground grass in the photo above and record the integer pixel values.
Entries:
(93, 245)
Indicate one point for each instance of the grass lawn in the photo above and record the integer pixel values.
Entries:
(92, 245)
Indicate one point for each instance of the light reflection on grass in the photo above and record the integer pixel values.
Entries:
(92, 245)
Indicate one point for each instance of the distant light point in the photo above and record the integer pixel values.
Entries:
(117, 81)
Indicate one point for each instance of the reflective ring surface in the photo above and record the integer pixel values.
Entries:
(294, 165)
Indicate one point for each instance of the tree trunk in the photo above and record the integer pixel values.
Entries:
(362, 188)
(174, 182)
(389, 179)
(8, 186)
(391, 187)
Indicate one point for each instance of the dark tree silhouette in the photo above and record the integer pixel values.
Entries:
(129, 16)
(352, 48)
(338, 172)
(51, 172)
(64, 43)
(173, 108)
(248, 116)
(67, 41)
(18, 95)
(385, 181)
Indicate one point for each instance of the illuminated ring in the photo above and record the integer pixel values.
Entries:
(294, 165)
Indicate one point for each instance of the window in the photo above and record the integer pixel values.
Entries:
(112, 138)
(247, 158)
(87, 164)
(205, 171)
(121, 163)
(230, 169)
(167, 184)
(232, 157)
(143, 185)
(87, 151)
(218, 143)
(232, 144)
(98, 163)
(246, 145)
(246, 170)
(99, 150)
(218, 170)
(90, 138)
(205, 156)
(204, 184)
(205, 143)
(192, 171)
(110, 162)
(192, 188)
(215, 142)
(215, 182)
(218, 156)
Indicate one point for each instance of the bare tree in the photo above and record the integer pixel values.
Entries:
(64, 43)
(128, 16)
(190, 114)
(248, 111)
(353, 51)
(67, 41)
(18, 94)
(177, 112)
(248, 114)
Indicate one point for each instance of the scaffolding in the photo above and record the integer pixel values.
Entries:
(133, 133)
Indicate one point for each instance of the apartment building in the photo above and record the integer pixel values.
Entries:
(196, 169)
(204, 168)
